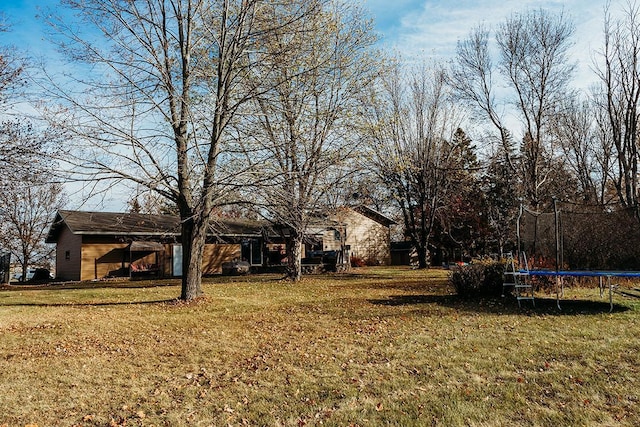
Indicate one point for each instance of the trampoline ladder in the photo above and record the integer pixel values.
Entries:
(518, 279)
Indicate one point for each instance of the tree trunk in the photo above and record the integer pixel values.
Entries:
(423, 256)
(194, 235)
(294, 249)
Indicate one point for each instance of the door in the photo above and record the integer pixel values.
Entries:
(252, 251)
(177, 260)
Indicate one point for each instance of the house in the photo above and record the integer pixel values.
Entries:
(368, 234)
(95, 245)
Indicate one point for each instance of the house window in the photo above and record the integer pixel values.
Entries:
(67, 255)
(252, 251)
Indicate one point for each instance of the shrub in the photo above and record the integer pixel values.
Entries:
(480, 279)
(371, 262)
(357, 261)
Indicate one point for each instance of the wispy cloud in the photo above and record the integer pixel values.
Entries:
(433, 28)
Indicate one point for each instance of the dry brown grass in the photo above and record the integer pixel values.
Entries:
(379, 347)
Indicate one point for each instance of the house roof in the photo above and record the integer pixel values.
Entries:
(374, 215)
(233, 227)
(137, 225)
(134, 224)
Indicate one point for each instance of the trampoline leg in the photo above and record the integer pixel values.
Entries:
(558, 292)
(601, 284)
(610, 294)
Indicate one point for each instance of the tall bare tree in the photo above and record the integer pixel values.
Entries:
(302, 134)
(12, 65)
(578, 136)
(153, 88)
(618, 97)
(473, 76)
(23, 151)
(533, 62)
(19, 148)
(412, 149)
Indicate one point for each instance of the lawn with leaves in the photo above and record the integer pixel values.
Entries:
(375, 347)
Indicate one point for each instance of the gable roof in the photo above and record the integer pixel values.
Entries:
(135, 224)
(374, 215)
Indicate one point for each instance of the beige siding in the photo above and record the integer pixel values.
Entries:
(68, 255)
(368, 239)
(216, 254)
(331, 241)
(101, 257)
(100, 260)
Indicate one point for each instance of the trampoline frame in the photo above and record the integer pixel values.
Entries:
(560, 274)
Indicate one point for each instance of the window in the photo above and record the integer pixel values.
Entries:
(67, 255)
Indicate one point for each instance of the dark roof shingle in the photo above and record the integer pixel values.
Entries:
(112, 223)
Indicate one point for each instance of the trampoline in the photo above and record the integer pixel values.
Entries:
(579, 241)
(601, 275)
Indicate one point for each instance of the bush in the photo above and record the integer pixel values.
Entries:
(357, 261)
(371, 262)
(481, 279)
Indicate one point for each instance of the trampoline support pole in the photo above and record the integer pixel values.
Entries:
(610, 294)
(601, 285)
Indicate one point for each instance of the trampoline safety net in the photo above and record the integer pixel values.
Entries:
(581, 238)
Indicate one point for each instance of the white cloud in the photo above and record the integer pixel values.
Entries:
(433, 28)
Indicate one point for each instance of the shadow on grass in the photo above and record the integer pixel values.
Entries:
(507, 305)
(86, 304)
(417, 285)
(398, 273)
(27, 288)
(90, 285)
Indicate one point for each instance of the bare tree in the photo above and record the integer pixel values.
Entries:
(577, 134)
(473, 76)
(534, 48)
(23, 151)
(145, 201)
(619, 98)
(160, 83)
(12, 66)
(412, 148)
(533, 62)
(302, 134)
(19, 146)
(26, 209)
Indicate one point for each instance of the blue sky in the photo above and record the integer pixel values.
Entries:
(415, 28)
(432, 28)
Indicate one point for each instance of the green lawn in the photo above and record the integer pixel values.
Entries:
(376, 347)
